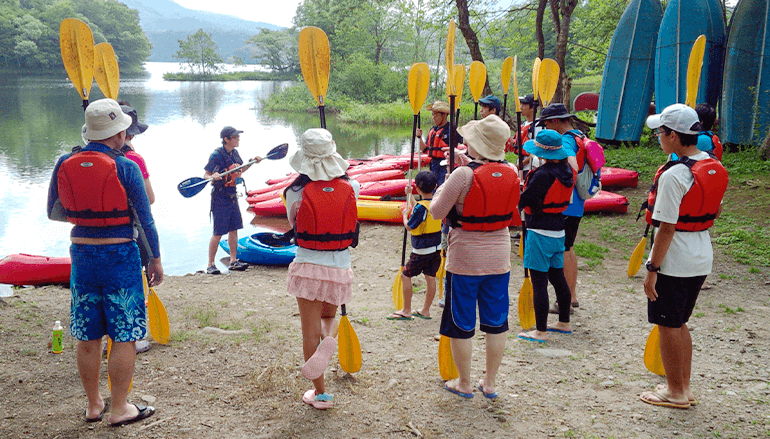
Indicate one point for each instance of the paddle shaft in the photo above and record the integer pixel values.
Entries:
(475, 111)
(505, 104)
(452, 122)
(521, 172)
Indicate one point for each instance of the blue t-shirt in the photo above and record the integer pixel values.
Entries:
(130, 177)
(568, 143)
(219, 161)
(420, 214)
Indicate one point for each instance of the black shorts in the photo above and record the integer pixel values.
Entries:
(676, 300)
(427, 264)
(571, 224)
(227, 215)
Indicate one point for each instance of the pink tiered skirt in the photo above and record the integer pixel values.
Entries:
(320, 283)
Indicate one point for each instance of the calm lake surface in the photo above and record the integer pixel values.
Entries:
(41, 118)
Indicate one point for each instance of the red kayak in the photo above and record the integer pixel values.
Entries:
(359, 167)
(607, 202)
(619, 177)
(21, 269)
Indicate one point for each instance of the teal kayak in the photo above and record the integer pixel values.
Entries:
(745, 112)
(264, 249)
(683, 22)
(627, 81)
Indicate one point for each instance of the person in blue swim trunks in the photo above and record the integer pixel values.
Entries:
(546, 195)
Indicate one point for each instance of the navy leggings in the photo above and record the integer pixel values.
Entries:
(540, 295)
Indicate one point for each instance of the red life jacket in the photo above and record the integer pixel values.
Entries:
(436, 142)
(492, 200)
(557, 198)
(512, 146)
(90, 192)
(717, 146)
(701, 203)
(328, 217)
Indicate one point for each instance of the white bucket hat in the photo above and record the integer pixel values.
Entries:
(104, 119)
(487, 136)
(317, 157)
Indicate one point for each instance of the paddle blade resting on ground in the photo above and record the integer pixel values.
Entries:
(398, 290)
(526, 305)
(477, 77)
(547, 80)
(314, 61)
(635, 262)
(106, 70)
(418, 85)
(77, 52)
(694, 66)
(652, 359)
(446, 364)
(505, 75)
(349, 347)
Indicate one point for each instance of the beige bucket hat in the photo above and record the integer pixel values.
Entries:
(317, 157)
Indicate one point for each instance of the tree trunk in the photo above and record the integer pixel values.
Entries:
(565, 9)
(539, 28)
(471, 39)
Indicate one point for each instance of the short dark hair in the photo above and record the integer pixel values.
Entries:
(685, 139)
(426, 181)
(707, 116)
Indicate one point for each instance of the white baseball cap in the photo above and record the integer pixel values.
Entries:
(104, 119)
(677, 117)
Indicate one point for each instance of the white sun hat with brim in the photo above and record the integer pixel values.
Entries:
(104, 119)
(317, 157)
(487, 137)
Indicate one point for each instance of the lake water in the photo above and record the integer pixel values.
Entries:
(41, 118)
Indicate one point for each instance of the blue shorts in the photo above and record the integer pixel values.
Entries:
(543, 252)
(107, 292)
(490, 292)
(226, 213)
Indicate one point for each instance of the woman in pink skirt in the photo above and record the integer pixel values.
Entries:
(321, 206)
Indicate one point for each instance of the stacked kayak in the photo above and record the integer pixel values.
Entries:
(21, 269)
(619, 177)
(264, 248)
(609, 202)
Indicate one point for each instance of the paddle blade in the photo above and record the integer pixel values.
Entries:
(535, 73)
(278, 152)
(446, 364)
(418, 85)
(398, 290)
(459, 83)
(516, 84)
(547, 80)
(157, 318)
(477, 77)
(349, 347)
(106, 70)
(191, 186)
(450, 56)
(635, 262)
(652, 360)
(314, 61)
(505, 75)
(526, 305)
(694, 66)
(440, 274)
(77, 52)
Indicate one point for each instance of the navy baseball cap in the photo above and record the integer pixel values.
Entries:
(229, 131)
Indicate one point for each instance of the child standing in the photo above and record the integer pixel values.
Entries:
(546, 195)
(321, 207)
(426, 247)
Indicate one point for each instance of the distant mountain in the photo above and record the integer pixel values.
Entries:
(165, 23)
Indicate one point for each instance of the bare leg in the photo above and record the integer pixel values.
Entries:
(89, 359)
(310, 315)
(461, 353)
(430, 293)
(329, 324)
(571, 272)
(213, 245)
(121, 368)
(495, 352)
(672, 353)
(686, 361)
(232, 241)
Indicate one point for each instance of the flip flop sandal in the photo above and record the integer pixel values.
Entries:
(660, 387)
(321, 402)
(560, 331)
(662, 401)
(395, 316)
(457, 392)
(483, 392)
(524, 336)
(419, 314)
(144, 413)
(101, 415)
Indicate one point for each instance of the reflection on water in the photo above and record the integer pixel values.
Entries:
(41, 118)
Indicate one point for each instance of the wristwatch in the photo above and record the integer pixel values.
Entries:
(651, 267)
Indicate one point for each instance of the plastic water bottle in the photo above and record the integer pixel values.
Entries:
(58, 333)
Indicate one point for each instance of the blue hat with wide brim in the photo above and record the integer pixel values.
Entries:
(547, 145)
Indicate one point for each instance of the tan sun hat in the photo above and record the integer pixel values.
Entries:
(317, 157)
(486, 136)
(104, 119)
(439, 106)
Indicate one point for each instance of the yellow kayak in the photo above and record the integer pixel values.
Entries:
(372, 209)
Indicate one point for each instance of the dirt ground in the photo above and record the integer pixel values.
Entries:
(583, 385)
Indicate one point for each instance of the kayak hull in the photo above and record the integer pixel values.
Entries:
(619, 177)
(255, 249)
(23, 269)
(607, 202)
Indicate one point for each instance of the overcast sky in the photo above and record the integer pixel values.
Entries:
(278, 12)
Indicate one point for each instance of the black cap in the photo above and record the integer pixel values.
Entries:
(229, 131)
(553, 111)
(528, 99)
(136, 126)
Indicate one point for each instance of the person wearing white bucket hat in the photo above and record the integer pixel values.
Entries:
(321, 207)
(480, 201)
(102, 192)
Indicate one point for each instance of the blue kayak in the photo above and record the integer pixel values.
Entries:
(683, 22)
(627, 81)
(745, 111)
(264, 249)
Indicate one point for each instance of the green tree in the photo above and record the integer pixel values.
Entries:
(28, 31)
(276, 49)
(199, 51)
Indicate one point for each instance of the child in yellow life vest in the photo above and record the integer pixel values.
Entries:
(426, 246)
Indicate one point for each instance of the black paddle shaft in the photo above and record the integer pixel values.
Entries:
(521, 170)
(451, 133)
